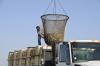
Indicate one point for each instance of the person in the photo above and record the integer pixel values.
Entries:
(40, 35)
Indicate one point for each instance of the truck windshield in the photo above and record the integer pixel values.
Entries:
(85, 51)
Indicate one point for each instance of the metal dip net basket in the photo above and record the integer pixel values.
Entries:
(54, 27)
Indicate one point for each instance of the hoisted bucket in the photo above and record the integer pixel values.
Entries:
(54, 27)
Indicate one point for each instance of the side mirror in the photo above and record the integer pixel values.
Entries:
(64, 53)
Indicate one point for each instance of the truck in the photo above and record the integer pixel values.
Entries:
(78, 53)
(67, 53)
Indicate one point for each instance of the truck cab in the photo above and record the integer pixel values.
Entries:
(78, 53)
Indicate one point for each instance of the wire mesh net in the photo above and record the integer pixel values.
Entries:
(54, 26)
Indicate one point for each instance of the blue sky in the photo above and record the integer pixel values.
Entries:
(18, 19)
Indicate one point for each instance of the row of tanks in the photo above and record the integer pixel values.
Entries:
(30, 56)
